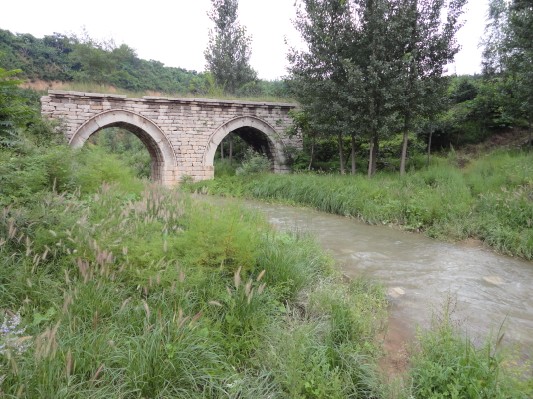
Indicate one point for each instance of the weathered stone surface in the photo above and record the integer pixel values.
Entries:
(181, 134)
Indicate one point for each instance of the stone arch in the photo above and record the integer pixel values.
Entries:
(276, 147)
(163, 156)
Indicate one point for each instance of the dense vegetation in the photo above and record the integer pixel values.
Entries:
(110, 286)
(373, 69)
(373, 74)
(489, 200)
(68, 58)
(113, 287)
(133, 290)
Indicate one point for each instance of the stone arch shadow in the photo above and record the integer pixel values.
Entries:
(160, 150)
(275, 149)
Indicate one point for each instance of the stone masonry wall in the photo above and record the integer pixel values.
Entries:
(189, 125)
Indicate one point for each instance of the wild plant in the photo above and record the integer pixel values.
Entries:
(446, 364)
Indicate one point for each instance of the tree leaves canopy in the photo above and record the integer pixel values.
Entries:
(229, 49)
(371, 63)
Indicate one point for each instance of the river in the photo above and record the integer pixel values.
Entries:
(421, 275)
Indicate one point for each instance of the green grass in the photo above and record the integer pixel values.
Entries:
(112, 287)
(154, 294)
(446, 364)
(490, 200)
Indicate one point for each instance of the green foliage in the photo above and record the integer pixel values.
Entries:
(223, 167)
(508, 55)
(86, 64)
(228, 52)
(316, 359)
(293, 263)
(166, 327)
(253, 163)
(448, 365)
(126, 146)
(220, 242)
(369, 67)
(130, 290)
(503, 186)
(95, 166)
(14, 111)
(489, 200)
(25, 176)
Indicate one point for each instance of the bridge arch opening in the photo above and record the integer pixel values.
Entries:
(255, 133)
(161, 153)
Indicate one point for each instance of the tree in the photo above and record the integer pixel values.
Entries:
(508, 55)
(494, 38)
(320, 74)
(520, 60)
(228, 52)
(14, 113)
(372, 77)
(345, 77)
(426, 44)
(371, 64)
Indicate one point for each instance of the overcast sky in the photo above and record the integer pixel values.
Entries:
(175, 32)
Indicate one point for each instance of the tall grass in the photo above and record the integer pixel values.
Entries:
(111, 287)
(490, 200)
(154, 294)
(446, 364)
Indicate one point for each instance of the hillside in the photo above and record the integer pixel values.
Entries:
(60, 59)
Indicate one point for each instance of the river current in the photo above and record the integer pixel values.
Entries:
(490, 292)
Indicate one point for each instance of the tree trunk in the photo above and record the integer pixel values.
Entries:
(530, 146)
(311, 158)
(231, 148)
(370, 160)
(341, 154)
(373, 154)
(222, 150)
(404, 147)
(353, 154)
(429, 143)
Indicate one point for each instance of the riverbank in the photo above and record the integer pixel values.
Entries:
(154, 294)
(491, 199)
(124, 289)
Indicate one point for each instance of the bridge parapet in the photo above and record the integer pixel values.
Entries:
(181, 134)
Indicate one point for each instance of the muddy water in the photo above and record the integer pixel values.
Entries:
(420, 274)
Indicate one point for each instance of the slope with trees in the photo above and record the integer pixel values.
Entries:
(82, 59)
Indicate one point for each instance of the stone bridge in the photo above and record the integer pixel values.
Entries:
(181, 134)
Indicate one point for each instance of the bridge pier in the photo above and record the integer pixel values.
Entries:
(181, 134)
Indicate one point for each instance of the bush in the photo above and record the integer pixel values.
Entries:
(223, 167)
(253, 163)
(448, 365)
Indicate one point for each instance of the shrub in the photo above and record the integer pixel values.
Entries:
(448, 365)
(253, 163)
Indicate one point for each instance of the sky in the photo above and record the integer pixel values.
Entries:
(175, 32)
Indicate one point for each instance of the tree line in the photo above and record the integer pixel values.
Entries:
(371, 80)
(373, 70)
(72, 58)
